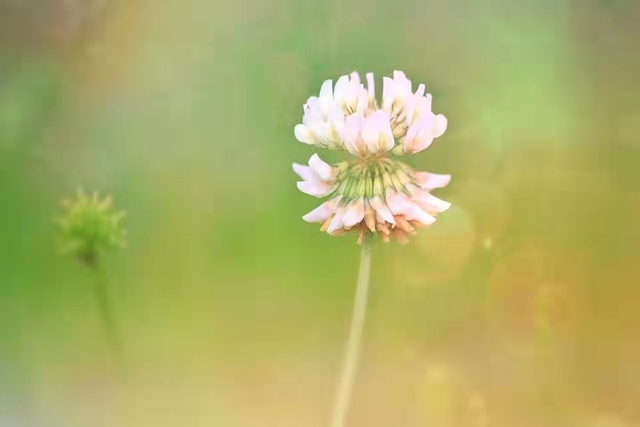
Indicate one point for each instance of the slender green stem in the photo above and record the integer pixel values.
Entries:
(352, 351)
(106, 314)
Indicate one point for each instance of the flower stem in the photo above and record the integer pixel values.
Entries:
(352, 351)
(106, 314)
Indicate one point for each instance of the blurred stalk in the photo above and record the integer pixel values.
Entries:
(350, 367)
(101, 289)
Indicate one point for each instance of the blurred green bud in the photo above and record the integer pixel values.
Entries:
(89, 227)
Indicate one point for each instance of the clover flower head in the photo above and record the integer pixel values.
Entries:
(89, 227)
(373, 192)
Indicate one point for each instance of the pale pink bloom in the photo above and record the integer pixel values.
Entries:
(328, 120)
(373, 193)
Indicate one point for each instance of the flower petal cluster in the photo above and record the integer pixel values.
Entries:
(348, 117)
(373, 192)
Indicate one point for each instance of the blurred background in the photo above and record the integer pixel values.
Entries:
(518, 308)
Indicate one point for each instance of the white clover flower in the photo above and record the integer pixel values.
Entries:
(373, 192)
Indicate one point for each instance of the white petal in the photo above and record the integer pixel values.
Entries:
(382, 209)
(400, 205)
(418, 107)
(371, 86)
(427, 103)
(388, 93)
(325, 91)
(351, 134)
(417, 214)
(386, 141)
(304, 134)
(403, 82)
(420, 91)
(323, 169)
(316, 188)
(335, 122)
(397, 204)
(355, 77)
(321, 213)
(335, 115)
(311, 103)
(354, 213)
(305, 172)
(440, 125)
(377, 132)
(336, 222)
(341, 86)
(420, 135)
(429, 181)
(363, 102)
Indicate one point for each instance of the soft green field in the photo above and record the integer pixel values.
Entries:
(518, 308)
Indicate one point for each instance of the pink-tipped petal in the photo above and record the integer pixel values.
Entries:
(429, 181)
(382, 209)
(316, 188)
(397, 204)
(321, 213)
(305, 172)
(401, 205)
(336, 222)
(419, 135)
(323, 169)
(354, 213)
(419, 215)
(432, 201)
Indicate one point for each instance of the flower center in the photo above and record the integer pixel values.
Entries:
(372, 176)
